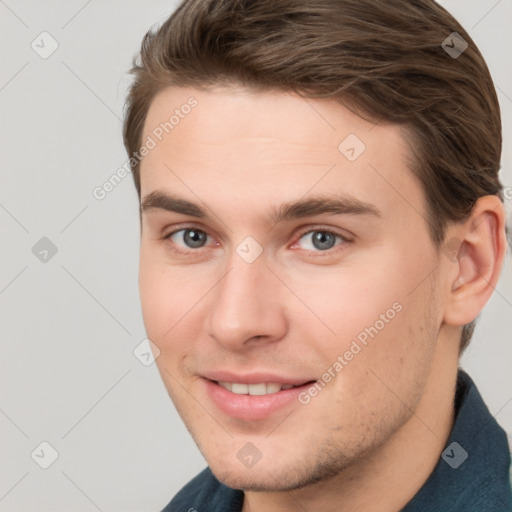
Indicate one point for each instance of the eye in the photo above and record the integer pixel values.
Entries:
(320, 240)
(189, 238)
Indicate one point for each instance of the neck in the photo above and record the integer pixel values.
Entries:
(388, 478)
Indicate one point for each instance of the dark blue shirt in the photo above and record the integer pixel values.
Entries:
(472, 474)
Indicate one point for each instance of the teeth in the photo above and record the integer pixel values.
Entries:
(254, 389)
(273, 388)
(239, 389)
(257, 389)
(226, 385)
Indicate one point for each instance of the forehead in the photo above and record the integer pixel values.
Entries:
(226, 116)
(244, 148)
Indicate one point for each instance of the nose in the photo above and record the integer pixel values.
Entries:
(245, 308)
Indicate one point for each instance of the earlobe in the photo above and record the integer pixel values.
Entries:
(477, 251)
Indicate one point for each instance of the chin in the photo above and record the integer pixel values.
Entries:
(254, 480)
(271, 478)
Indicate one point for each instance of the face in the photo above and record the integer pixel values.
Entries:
(286, 278)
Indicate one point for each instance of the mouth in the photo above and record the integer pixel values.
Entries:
(256, 400)
(260, 389)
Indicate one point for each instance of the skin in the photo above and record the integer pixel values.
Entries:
(375, 432)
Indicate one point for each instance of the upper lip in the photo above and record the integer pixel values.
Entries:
(255, 378)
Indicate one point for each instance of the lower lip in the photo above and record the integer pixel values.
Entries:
(251, 407)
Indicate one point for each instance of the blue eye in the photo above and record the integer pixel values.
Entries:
(320, 240)
(189, 238)
(315, 240)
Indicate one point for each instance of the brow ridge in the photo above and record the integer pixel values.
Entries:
(319, 205)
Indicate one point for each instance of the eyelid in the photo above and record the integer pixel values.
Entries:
(184, 250)
(323, 229)
(326, 229)
(304, 231)
(186, 227)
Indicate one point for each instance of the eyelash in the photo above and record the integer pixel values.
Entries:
(327, 252)
(318, 253)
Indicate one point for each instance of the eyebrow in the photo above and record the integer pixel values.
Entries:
(317, 205)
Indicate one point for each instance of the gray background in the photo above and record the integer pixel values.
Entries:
(70, 324)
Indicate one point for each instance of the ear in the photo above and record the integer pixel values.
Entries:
(476, 249)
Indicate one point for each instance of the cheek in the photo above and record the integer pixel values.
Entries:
(153, 297)
(343, 305)
(369, 317)
(171, 299)
(161, 295)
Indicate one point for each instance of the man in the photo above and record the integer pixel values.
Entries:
(321, 223)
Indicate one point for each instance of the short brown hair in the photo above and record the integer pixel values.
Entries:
(382, 59)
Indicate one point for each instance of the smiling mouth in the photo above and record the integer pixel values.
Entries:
(257, 399)
(260, 389)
